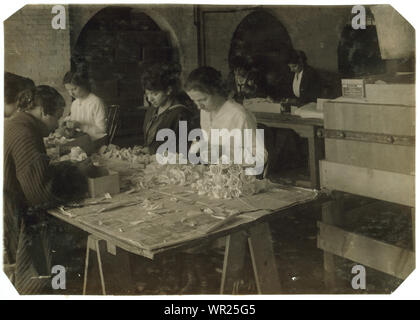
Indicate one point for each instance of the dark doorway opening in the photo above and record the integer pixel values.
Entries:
(358, 51)
(113, 48)
(264, 39)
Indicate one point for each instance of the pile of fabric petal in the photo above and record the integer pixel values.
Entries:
(226, 182)
(55, 138)
(76, 154)
(135, 155)
(221, 181)
(157, 174)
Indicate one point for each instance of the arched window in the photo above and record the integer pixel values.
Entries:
(358, 50)
(264, 39)
(112, 48)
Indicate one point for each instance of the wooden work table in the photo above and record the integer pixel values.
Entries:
(311, 129)
(184, 221)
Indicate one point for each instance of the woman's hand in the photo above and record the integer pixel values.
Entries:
(145, 150)
(61, 130)
(72, 124)
(62, 122)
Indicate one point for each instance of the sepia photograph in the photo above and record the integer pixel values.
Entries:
(170, 149)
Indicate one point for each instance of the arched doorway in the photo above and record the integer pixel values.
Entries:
(112, 48)
(266, 41)
(358, 51)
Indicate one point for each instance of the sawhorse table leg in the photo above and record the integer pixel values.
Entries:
(262, 255)
(316, 147)
(93, 244)
(117, 271)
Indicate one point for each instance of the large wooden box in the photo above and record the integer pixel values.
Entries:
(400, 94)
(370, 150)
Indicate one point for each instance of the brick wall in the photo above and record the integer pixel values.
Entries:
(34, 49)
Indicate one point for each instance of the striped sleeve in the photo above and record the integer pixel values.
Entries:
(32, 170)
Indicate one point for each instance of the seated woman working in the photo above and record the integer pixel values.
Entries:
(87, 111)
(168, 104)
(287, 147)
(205, 87)
(306, 82)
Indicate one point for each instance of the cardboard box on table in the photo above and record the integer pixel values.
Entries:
(104, 181)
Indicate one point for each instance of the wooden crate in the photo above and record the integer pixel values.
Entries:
(367, 182)
(370, 150)
(403, 94)
(393, 158)
(107, 182)
(370, 118)
(372, 253)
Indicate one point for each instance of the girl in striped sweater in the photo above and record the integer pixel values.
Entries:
(29, 188)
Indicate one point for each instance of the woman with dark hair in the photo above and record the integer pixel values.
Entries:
(168, 105)
(13, 85)
(29, 187)
(205, 87)
(208, 91)
(306, 82)
(87, 111)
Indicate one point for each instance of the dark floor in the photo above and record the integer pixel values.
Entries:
(299, 261)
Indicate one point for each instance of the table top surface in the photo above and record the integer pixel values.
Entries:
(170, 217)
(287, 117)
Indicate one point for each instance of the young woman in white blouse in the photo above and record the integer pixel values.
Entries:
(205, 87)
(87, 111)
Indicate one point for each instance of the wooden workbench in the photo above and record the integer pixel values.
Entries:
(183, 221)
(310, 129)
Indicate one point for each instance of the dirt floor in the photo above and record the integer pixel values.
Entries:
(299, 261)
